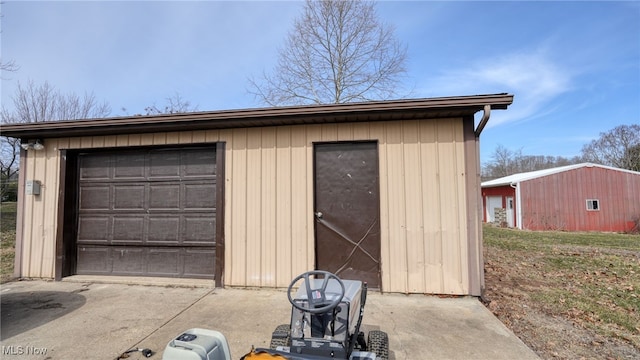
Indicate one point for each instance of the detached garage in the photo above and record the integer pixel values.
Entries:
(387, 192)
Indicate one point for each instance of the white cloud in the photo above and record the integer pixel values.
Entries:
(533, 78)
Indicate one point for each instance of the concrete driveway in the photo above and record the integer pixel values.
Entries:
(88, 318)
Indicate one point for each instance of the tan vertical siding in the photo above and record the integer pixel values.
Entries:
(146, 139)
(237, 198)
(253, 210)
(135, 140)
(414, 210)
(397, 235)
(452, 199)
(269, 223)
(377, 131)
(475, 260)
(431, 205)
(301, 202)
(28, 236)
(50, 178)
(268, 207)
(284, 241)
(423, 214)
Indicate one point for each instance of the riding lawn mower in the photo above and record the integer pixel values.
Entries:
(325, 323)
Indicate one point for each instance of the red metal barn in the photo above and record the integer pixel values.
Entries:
(582, 197)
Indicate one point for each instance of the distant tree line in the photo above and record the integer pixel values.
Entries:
(618, 147)
(37, 103)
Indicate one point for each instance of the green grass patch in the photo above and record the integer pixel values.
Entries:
(592, 279)
(519, 239)
(7, 239)
(8, 216)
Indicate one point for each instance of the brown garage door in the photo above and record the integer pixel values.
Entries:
(147, 213)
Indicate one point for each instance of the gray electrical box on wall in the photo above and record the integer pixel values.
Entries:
(32, 187)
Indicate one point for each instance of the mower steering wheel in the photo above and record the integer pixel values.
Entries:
(316, 298)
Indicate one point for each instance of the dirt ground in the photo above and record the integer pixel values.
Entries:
(511, 279)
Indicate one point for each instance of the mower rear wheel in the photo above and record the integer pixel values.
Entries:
(379, 344)
(281, 336)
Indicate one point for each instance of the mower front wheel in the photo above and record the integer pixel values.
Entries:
(281, 336)
(379, 344)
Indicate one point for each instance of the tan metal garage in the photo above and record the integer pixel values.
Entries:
(387, 192)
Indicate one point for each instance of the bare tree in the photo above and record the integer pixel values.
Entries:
(617, 147)
(337, 52)
(9, 157)
(37, 103)
(633, 154)
(503, 163)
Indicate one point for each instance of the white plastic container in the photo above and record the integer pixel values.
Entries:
(198, 344)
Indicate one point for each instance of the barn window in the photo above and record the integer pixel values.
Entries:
(593, 205)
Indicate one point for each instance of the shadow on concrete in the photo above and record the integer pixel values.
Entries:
(23, 311)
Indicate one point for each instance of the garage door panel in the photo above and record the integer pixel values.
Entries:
(199, 196)
(199, 230)
(147, 261)
(199, 261)
(128, 260)
(95, 168)
(164, 262)
(129, 166)
(164, 164)
(129, 197)
(164, 196)
(93, 260)
(199, 163)
(94, 229)
(94, 197)
(164, 230)
(148, 213)
(129, 229)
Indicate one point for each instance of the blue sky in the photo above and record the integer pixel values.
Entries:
(574, 67)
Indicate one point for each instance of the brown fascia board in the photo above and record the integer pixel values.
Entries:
(291, 115)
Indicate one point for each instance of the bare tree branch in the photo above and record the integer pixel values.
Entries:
(617, 147)
(7, 65)
(337, 52)
(174, 105)
(37, 103)
(9, 158)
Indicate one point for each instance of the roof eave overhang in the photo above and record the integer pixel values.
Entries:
(293, 115)
(493, 185)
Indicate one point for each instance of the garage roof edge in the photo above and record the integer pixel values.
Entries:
(290, 115)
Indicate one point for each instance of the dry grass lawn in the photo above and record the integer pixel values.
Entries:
(7, 239)
(566, 295)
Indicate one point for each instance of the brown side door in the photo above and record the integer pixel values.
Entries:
(347, 210)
